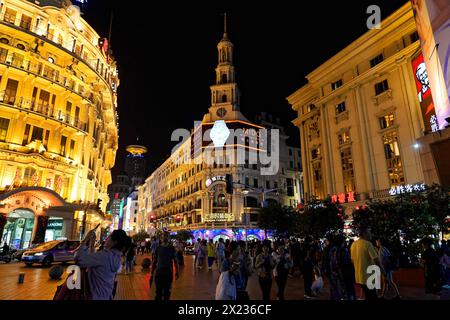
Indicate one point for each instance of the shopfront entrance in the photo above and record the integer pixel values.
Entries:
(18, 230)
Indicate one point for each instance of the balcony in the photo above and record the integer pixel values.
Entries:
(68, 46)
(42, 109)
(46, 72)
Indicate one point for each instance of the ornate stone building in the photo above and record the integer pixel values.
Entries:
(58, 122)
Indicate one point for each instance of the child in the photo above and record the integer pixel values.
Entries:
(317, 285)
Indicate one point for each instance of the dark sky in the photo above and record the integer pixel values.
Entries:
(166, 52)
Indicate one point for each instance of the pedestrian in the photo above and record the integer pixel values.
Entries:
(164, 262)
(337, 284)
(179, 246)
(102, 266)
(211, 250)
(143, 244)
(283, 265)
(295, 252)
(445, 265)
(226, 289)
(202, 253)
(220, 253)
(389, 264)
(197, 245)
(364, 255)
(308, 268)
(148, 245)
(129, 258)
(430, 261)
(264, 265)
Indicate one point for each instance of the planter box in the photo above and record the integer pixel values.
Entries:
(412, 278)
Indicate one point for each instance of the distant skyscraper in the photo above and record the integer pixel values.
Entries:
(135, 164)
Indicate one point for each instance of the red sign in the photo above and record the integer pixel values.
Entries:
(343, 198)
(424, 94)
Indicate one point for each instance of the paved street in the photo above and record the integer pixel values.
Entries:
(193, 285)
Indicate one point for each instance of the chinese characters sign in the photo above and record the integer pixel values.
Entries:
(343, 198)
(219, 217)
(409, 188)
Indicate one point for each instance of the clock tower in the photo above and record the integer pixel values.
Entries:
(225, 93)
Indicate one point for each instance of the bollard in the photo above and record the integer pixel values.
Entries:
(21, 277)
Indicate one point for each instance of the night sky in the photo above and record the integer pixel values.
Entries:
(166, 52)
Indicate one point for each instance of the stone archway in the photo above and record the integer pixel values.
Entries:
(36, 200)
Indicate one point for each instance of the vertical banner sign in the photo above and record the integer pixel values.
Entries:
(424, 94)
(42, 222)
(433, 26)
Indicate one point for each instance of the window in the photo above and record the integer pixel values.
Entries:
(340, 108)
(43, 102)
(414, 36)
(291, 165)
(4, 125)
(290, 187)
(11, 91)
(337, 84)
(72, 149)
(25, 22)
(3, 55)
(318, 179)
(224, 98)
(344, 137)
(387, 121)
(381, 87)
(377, 60)
(267, 184)
(63, 146)
(38, 134)
(275, 185)
(393, 159)
(290, 152)
(247, 181)
(255, 183)
(51, 59)
(347, 169)
(10, 16)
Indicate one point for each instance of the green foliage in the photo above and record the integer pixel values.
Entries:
(321, 218)
(407, 218)
(283, 221)
(141, 236)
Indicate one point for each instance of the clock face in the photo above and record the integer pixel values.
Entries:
(222, 112)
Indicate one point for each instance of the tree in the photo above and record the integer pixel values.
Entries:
(140, 236)
(407, 218)
(321, 218)
(282, 221)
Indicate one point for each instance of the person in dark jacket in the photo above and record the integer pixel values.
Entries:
(430, 260)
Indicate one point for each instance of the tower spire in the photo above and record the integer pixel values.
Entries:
(225, 35)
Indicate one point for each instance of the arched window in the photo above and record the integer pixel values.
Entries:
(221, 200)
(223, 56)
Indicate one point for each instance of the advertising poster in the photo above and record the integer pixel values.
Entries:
(433, 26)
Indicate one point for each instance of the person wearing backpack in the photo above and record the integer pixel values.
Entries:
(390, 265)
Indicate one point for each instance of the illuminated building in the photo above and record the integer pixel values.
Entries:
(58, 122)
(193, 195)
(135, 164)
(360, 117)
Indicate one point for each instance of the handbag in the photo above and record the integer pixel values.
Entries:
(63, 293)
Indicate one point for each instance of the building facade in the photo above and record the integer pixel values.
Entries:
(58, 122)
(360, 117)
(215, 194)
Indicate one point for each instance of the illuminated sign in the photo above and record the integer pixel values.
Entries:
(219, 217)
(433, 26)
(343, 198)
(424, 94)
(209, 182)
(220, 133)
(409, 188)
